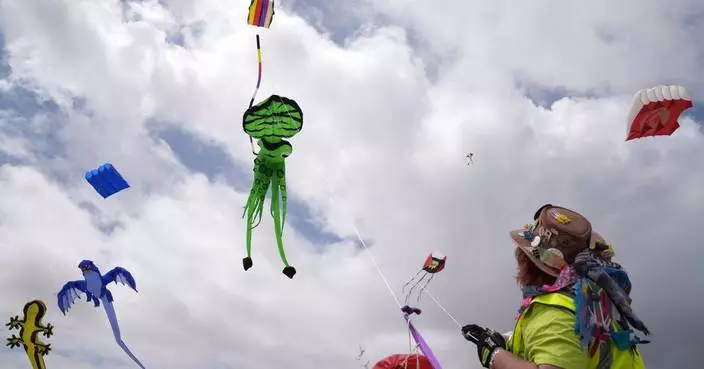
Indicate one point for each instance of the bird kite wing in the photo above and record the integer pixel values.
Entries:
(654, 111)
(69, 293)
(121, 275)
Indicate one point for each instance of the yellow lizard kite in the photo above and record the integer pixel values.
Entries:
(30, 327)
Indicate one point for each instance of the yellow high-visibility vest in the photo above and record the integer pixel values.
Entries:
(626, 359)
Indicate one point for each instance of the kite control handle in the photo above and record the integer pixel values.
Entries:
(471, 333)
(410, 310)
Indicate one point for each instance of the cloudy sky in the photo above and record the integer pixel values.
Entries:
(394, 94)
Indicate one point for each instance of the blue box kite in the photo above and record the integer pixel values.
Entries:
(106, 180)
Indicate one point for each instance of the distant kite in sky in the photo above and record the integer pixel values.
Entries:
(470, 158)
(654, 111)
(359, 357)
(270, 122)
(94, 285)
(106, 180)
(361, 352)
(31, 327)
(434, 263)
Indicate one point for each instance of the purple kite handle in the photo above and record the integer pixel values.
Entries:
(407, 310)
(424, 348)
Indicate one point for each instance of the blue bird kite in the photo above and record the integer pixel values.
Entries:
(94, 286)
(106, 180)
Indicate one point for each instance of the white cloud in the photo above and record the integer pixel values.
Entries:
(580, 46)
(382, 145)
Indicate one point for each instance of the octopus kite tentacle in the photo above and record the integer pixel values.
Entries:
(265, 175)
(255, 203)
(278, 188)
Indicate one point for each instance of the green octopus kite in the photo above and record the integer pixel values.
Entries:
(270, 122)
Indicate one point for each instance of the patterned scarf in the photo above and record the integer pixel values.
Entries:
(600, 292)
(565, 281)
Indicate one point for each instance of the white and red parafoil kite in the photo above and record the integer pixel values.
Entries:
(400, 361)
(654, 111)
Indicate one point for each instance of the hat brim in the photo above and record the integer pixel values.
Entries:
(524, 245)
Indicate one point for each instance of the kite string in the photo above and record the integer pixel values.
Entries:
(410, 345)
(373, 260)
(371, 257)
(443, 308)
(256, 89)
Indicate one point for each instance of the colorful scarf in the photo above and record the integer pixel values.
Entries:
(567, 278)
(600, 292)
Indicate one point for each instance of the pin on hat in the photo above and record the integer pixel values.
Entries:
(559, 217)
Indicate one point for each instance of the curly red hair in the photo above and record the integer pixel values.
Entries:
(527, 274)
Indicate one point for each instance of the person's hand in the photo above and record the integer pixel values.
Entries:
(487, 341)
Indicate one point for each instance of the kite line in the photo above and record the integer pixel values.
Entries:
(378, 269)
(256, 89)
(261, 13)
(442, 308)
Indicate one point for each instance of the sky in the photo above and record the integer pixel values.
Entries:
(394, 93)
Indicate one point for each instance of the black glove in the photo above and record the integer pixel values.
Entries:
(487, 341)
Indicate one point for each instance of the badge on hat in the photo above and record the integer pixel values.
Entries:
(553, 257)
(559, 217)
(528, 232)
